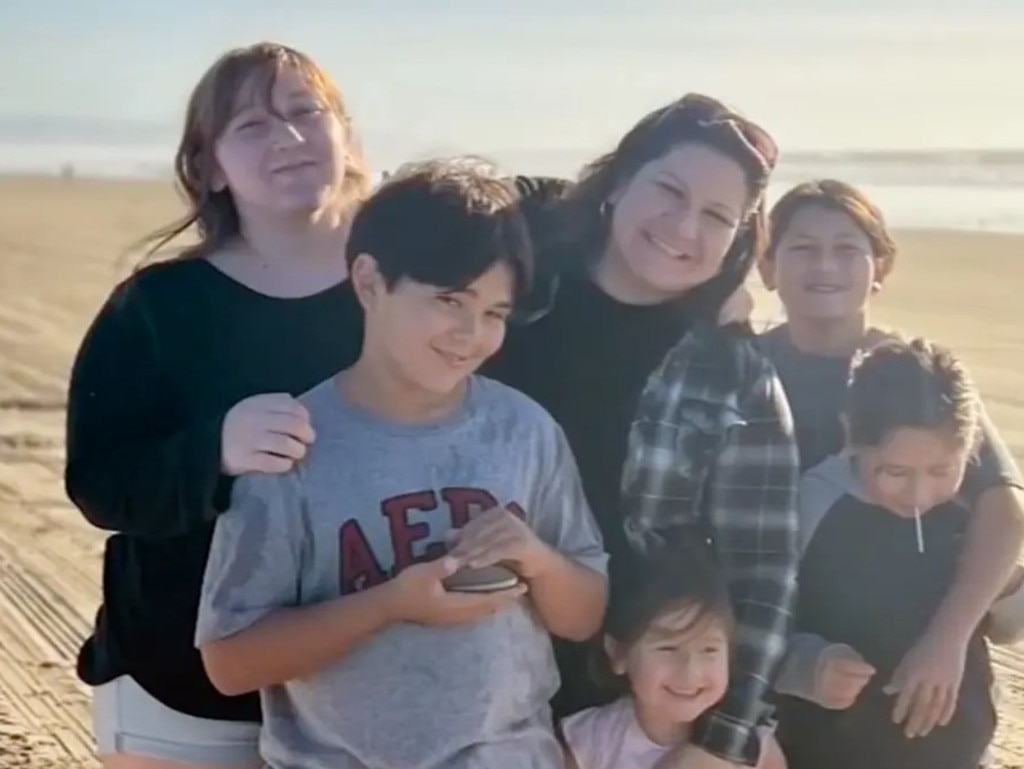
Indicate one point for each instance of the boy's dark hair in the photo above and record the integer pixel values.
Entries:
(914, 384)
(443, 223)
(834, 195)
(680, 574)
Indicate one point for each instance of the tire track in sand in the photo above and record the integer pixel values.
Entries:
(49, 578)
(39, 637)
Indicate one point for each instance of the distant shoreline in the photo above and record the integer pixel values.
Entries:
(166, 187)
(153, 160)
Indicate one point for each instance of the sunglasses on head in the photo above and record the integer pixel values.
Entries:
(711, 112)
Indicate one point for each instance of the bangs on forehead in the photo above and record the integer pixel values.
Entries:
(248, 81)
(256, 88)
(686, 621)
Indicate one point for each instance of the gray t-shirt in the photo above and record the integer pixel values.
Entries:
(371, 498)
(816, 387)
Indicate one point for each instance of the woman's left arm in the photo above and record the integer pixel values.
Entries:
(753, 516)
(713, 444)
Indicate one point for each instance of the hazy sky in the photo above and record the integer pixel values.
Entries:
(490, 75)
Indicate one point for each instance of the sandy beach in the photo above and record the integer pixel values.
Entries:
(61, 249)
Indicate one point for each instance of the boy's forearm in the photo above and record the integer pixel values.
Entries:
(994, 538)
(296, 642)
(570, 598)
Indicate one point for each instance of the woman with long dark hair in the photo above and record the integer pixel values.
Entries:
(658, 400)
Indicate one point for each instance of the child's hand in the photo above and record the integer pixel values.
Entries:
(500, 536)
(927, 682)
(417, 595)
(266, 433)
(841, 677)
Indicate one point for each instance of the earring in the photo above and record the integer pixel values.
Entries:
(603, 209)
(876, 287)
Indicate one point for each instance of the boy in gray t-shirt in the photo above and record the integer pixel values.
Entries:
(324, 588)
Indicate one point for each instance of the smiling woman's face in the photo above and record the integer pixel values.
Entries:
(675, 220)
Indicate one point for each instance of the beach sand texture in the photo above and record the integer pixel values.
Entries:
(60, 244)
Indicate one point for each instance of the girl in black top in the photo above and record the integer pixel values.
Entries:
(830, 253)
(185, 380)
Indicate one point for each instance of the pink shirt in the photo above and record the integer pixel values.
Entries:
(609, 737)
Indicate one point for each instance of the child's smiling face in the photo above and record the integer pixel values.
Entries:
(677, 669)
(824, 266)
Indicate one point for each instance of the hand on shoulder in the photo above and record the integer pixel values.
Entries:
(266, 433)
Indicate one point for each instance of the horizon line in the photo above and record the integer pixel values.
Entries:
(47, 130)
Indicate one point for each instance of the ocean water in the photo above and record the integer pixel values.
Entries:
(957, 190)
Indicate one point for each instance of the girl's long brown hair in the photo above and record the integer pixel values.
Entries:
(210, 109)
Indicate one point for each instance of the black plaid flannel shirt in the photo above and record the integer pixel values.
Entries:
(713, 447)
